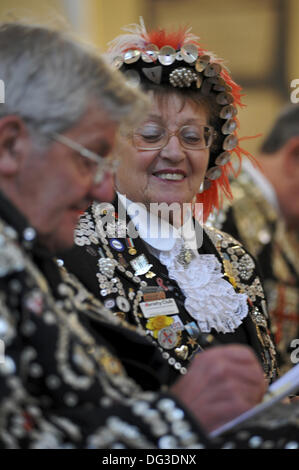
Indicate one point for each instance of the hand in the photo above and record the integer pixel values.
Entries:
(221, 383)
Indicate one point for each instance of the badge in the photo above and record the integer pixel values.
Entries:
(116, 244)
(160, 283)
(167, 338)
(107, 266)
(177, 324)
(122, 260)
(123, 303)
(140, 265)
(159, 307)
(155, 324)
(192, 329)
(110, 303)
(150, 296)
(150, 275)
(182, 352)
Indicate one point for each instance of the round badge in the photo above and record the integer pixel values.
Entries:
(167, 338)
(116, 244)
(123, 303)
(109, 303)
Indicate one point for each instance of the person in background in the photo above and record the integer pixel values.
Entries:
(264, 216)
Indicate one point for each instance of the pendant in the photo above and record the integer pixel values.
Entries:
(185, 256)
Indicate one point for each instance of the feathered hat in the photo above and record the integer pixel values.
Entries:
(176, 59)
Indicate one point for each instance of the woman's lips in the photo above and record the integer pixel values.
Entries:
(170, 175)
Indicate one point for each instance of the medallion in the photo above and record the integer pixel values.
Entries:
(116, 244)
(167, 338)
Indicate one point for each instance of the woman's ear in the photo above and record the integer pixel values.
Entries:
(12, 144)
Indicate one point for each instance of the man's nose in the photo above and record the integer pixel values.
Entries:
(104, 190)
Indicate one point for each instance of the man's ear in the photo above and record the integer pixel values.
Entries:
(13, 137)
(291, 157)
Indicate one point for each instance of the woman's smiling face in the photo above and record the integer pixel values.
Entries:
(173, 173)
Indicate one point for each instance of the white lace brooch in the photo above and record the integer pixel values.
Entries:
(210, 299)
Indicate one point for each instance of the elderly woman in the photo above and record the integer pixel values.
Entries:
(164, 273)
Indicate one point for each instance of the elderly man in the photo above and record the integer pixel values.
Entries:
(264, 216)
(65, 382)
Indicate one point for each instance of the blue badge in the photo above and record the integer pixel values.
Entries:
(116, 244)
(192, 329)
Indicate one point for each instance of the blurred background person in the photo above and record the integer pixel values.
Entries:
(264, 216)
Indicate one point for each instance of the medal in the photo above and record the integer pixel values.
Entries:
(167, 338)
(116, 244)
(129, 242)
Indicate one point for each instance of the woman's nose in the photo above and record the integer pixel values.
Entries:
(173, 150)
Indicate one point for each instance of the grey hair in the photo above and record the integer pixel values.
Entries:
(285, 127)
(51, 80)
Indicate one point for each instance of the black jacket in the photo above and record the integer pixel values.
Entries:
(123, 297)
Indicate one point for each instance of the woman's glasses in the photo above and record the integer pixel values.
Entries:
(155, 137)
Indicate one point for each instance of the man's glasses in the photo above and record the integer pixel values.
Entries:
(155, 137)
(100, 165)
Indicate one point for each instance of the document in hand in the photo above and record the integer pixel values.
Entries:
(287, 385)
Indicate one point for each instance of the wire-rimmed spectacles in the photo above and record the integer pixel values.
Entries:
(155, 137)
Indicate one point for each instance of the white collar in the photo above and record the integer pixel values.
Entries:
(157, 232)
